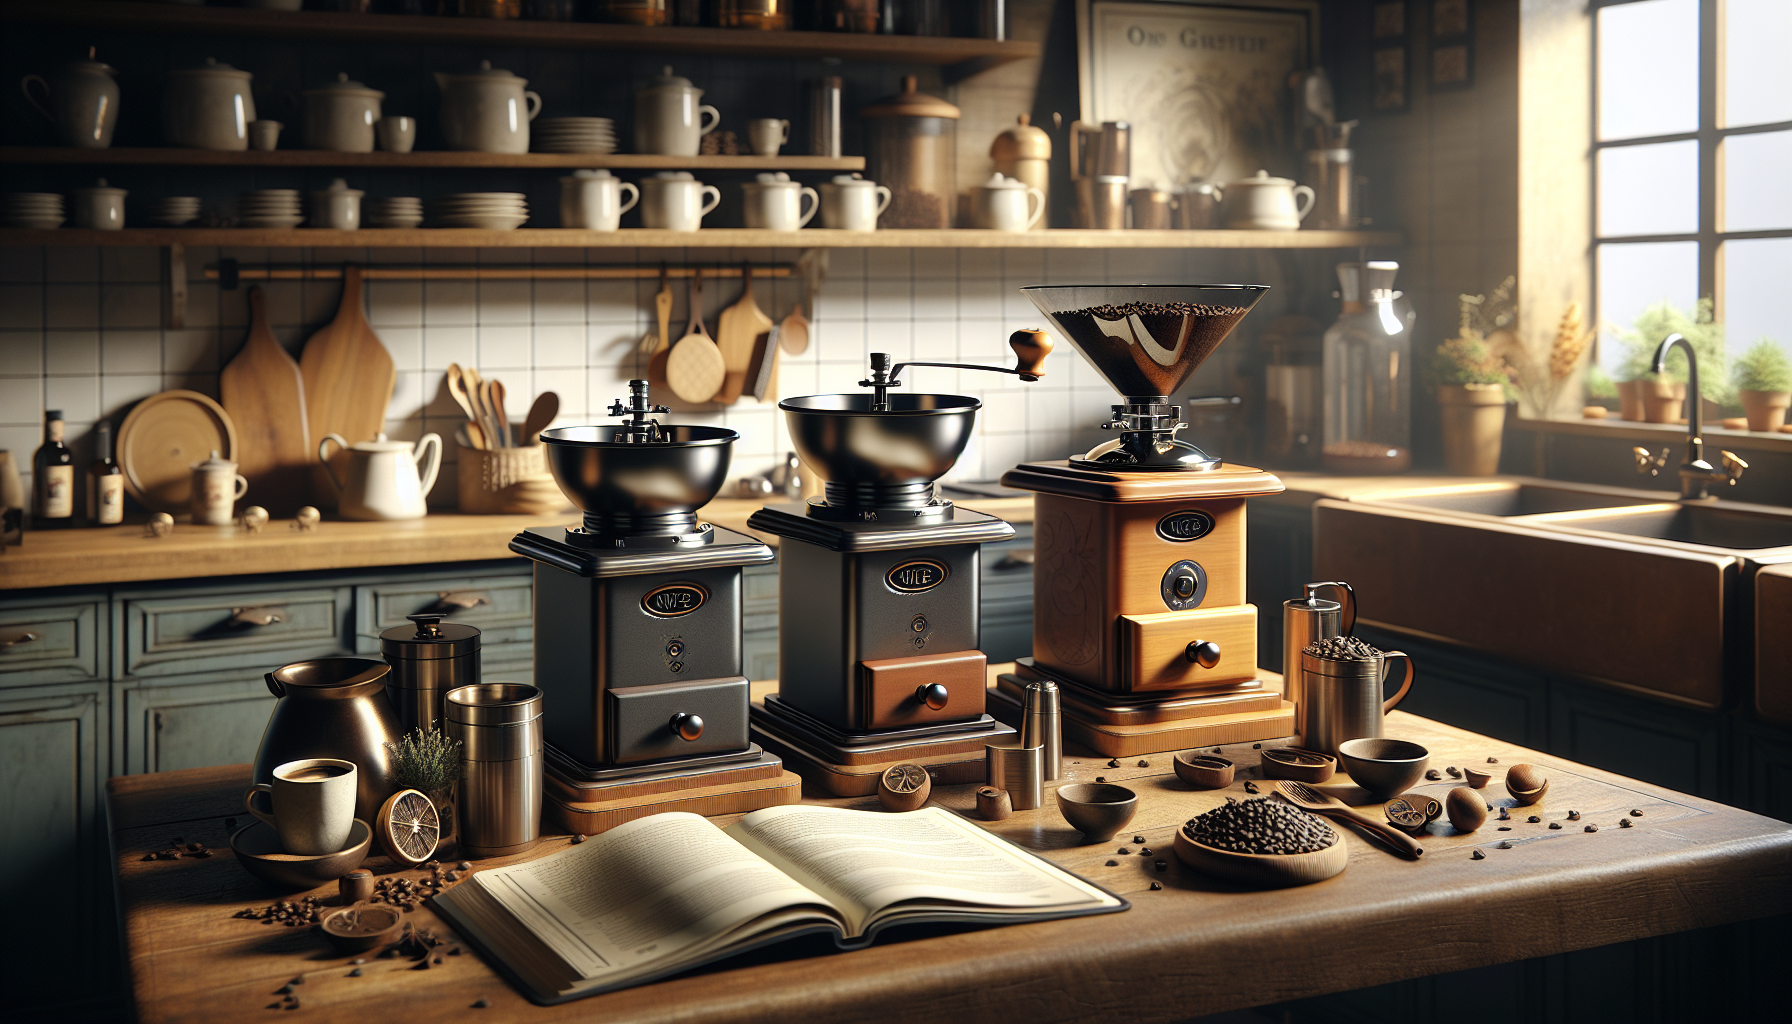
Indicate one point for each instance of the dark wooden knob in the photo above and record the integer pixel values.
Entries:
(1030, 349)
(687, 726)
(1204, 653)
(933, 695)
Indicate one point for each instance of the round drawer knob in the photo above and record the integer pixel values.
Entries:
(687, 726)
(1204, 653)
(933, 695)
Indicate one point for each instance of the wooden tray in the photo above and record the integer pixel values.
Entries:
(161, 439)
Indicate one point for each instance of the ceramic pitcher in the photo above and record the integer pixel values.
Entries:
(669, 120)
(382, 479)
(1263, 203)
(81, 100)
(487, 111)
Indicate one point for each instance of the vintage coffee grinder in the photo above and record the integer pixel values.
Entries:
(879, 589)
(1139, 612)
(638, 628)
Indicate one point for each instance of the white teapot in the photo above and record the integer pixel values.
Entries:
(1263, 203)
(382, 476)
(487, 111)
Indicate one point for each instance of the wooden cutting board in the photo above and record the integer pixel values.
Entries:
(349, 377)
(737, 331)
(661, 345)
(161, 439)
(264, 394)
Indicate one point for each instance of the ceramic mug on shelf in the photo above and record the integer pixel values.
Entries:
(774, 202)
(311, 804)
(396, 133)
(593, 200)
(850, 203)
(767, 134)
(676, 201)
(264, 135)
(669, 121)
(216, 488)
(1009, 204)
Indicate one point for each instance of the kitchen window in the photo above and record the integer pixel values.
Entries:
(1692, 139)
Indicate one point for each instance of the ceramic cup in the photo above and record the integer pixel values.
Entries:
(593, 200)
(767, 134)
(675, 201)
(99, 207)
(216, 487)
(264, 135)
(850, 203)
(337, 207)
(312, 804)
(1011, 205)
(397, 133)
(777, 203)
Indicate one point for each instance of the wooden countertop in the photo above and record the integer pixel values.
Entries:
(123, 554)
(1195, 947)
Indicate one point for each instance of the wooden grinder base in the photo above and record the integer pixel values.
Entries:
(750, 787)
(951, 765)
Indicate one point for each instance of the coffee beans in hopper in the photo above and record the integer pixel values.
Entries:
(1342, 648)
(1260, 826)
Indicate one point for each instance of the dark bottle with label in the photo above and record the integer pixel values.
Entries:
(105, 481)
(53, 478)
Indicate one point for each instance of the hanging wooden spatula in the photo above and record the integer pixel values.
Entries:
(739, 326)
(793, 333)
(662, 341)
(694, 368)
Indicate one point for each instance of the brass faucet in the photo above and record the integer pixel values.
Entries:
(1696, 475)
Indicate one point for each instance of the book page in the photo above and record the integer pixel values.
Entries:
(645, 891)
(867, 861)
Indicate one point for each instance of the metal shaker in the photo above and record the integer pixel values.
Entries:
(1018, 771)
(1342, 699)
(428, 659)
(499, 803)
(1309, 619)
(1042, 726)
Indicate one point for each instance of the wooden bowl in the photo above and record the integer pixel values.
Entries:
(363, 926)
(1203, 771)
(1097, 809)
(1385, 768)
(1297, 765)
(1264, 870)
(257, 849)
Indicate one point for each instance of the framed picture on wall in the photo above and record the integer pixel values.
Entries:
(1205, 86)
(1388, 57)
(1452, 45)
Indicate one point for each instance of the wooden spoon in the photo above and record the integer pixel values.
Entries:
(1307, 798)
(476, 393)
(542, 413)
(494, 400)
(457, 389)
(793, 333)
(662, 342)
(695, 369)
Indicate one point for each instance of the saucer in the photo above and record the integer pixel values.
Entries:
(257, 849)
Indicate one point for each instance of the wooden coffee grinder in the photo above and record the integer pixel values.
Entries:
(1139, 612)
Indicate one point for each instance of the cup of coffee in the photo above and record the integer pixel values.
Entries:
(312, 804)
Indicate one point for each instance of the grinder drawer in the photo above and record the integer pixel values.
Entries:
(889, 689)
(643, 721)
(1154, 649)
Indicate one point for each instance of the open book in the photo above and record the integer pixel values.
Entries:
(667, 893)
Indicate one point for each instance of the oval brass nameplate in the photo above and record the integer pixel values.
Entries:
(917, 576)
(674, 599)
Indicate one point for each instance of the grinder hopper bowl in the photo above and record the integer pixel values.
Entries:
(879, 587)
(1139, 611)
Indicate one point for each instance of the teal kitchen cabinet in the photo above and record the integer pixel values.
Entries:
(167, 725)
(59, 638)
(251, 625)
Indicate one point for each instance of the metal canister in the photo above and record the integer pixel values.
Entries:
(1306, 620)
(1017, 770)
(1041, 725)
(499, 803)
(1343, 699)
(428, 659)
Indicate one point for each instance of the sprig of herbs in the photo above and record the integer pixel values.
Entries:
(425, 760)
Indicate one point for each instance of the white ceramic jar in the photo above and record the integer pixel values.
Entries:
(774, 202)
(487, 111)
(850, 203)
(1009, 204)
(337, 207)
(1263, 203)
(217, 486)
(383, 480)
(208, 108)
(81, 100)
(675, 201)
(593, 200)
(100, 207)
(340, 116)
(669, 120)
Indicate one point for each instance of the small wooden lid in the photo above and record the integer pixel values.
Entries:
(1162, 485)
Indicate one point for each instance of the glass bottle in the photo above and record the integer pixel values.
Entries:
(53, 477)
(1368, 374)
(105, 481)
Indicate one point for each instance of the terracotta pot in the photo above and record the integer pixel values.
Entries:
(1474, 418)
(1766, 410)
(1662, 402)
(1630, 400)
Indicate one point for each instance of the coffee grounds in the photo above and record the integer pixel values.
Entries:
(1260, 826)
(1342, 648)
(1189, 331)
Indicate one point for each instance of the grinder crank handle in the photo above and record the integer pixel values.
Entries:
(1030, 349)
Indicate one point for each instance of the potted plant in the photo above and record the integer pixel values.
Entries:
(1540, 382)
(1663, 396)
(1471, 384)
(1763, 379)
(429, 762)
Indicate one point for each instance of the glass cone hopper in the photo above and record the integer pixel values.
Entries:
(1146, 340)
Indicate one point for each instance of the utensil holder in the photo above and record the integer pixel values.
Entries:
(508, 481)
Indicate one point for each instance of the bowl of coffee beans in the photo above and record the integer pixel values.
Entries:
(1261, 843)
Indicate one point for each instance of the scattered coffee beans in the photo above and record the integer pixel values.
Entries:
(1101, 778)
(1145, 851)
(1477, 855)
(1251, 787)
(1505, 828)
(1124, 850)
(1342, 648)
(1260, 826)
(576, 840)
(1144, 763)
(1155, 886)
(356, 973)
(1506, 845)
(1533, 819)
(1161, 865)
(1113, 863)
(289, 913)
(1113, 762)
(1592, 828)
(1504, 815)
(480, 1004)
(1431, 775)
(1636, 813)
(1623, 822)
(1573, 815)
(1139, 840)
(1555, 824)
(1493, 760)
(1453, 772)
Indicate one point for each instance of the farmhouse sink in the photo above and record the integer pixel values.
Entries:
(1510, 498)
(1709, 526)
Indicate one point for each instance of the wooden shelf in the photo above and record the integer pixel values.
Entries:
(171, 157)
(709, 238)
(968, 55)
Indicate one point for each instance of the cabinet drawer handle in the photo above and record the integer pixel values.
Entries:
(258, 616)
(687, 727)
(22, 638)
(462, 599)
(1015, 559)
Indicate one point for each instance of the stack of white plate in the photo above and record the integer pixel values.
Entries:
(573, 135)
(395, 212)
(174, 211)
(31, 210)
(269, 208)
(492, 211)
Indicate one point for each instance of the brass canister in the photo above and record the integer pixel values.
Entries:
(428, 659)
(1025, 152)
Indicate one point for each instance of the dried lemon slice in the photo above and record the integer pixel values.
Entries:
(408, 827)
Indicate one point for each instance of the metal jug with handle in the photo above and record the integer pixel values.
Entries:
(333, 707)
(1342, 700)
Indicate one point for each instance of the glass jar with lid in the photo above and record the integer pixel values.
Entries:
(911, 146)
(1368, 374)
